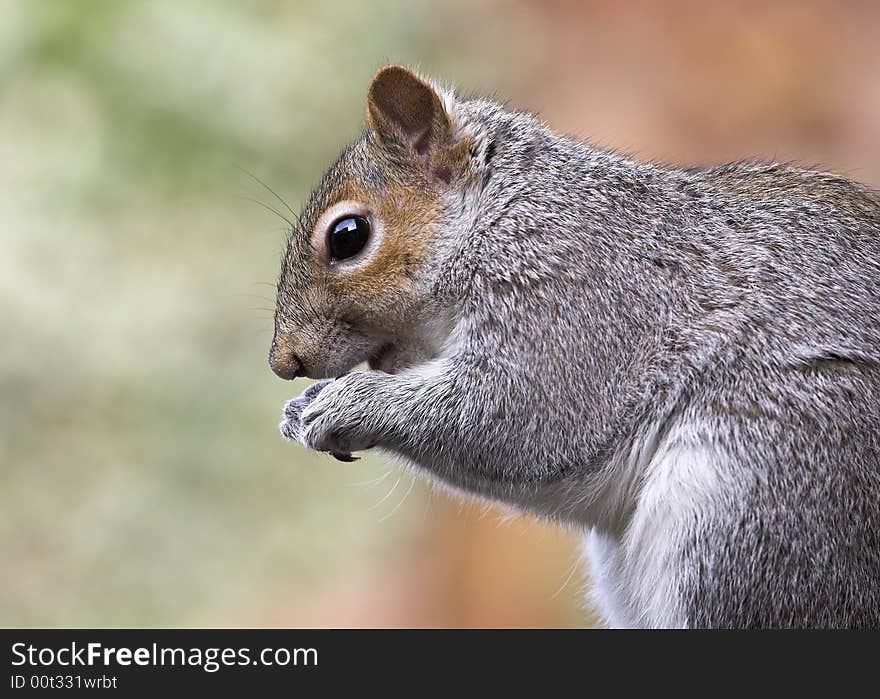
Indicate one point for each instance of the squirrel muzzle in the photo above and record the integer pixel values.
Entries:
(283, 359)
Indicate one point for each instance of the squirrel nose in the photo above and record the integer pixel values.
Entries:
(284, 362)
(287, 367)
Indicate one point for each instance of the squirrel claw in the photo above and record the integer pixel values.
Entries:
(345, 457)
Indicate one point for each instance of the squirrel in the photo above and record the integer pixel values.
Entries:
(683, 363)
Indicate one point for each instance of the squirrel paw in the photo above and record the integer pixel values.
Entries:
(334, 420)
(291, 424)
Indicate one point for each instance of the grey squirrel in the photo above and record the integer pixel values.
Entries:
(684, 363)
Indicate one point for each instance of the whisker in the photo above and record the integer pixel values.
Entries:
(574, 567)
(388, 494)
(271, 191)
(412, 483)
(372, 481)
(269, 208)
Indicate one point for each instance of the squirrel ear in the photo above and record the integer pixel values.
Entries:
(404, 107)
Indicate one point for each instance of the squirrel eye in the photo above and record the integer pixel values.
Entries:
(348, 237)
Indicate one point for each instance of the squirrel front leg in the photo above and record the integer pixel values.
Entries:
(419, 415)
(367, 409)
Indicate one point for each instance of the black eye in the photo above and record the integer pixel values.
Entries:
(348, 237)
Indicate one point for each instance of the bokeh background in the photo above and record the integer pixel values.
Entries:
(142, 478)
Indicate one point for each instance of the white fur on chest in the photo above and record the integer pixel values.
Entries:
(638, 573)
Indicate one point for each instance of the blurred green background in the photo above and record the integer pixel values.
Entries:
(142, 477)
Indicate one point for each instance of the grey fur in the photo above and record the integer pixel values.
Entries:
(582, 305)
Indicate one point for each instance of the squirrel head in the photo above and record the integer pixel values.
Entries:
(359, 276)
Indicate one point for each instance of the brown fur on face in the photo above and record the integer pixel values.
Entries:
(407, 222)
(353, 309)
(332, 315)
